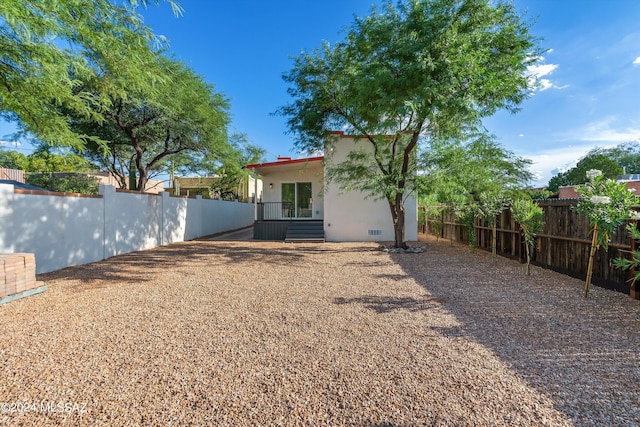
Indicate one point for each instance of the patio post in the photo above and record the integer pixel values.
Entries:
(255, 195)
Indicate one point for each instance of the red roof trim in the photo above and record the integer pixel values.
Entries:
(283, 162)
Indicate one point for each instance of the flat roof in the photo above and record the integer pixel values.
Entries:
(283, 162)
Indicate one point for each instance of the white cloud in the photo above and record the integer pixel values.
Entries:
(537, 71)
(541, 70)
(605, 133)
(606, 130)
(544, 84)
(547, 163)
(636, 61)
(10, 143)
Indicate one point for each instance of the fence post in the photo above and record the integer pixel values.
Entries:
(634, 292)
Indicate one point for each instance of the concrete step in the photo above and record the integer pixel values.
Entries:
(305, 231)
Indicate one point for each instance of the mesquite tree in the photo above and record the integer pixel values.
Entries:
(403, 77)
(51, 47)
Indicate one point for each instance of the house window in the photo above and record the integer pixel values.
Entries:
(297, 200)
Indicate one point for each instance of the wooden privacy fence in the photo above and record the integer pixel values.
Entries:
(12, 174)
(562, 245)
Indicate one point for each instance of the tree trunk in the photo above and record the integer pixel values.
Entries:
(493, 241)
(132, 175)
(398, 229)
(398, 216)
(142, 171)
(528, 250)
(590, 265)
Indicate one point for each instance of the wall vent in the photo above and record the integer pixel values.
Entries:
(375, 232)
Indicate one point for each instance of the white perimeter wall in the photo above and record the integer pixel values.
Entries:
(64, 230)
(350, 215)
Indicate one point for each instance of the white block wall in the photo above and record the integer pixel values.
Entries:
(64, 230)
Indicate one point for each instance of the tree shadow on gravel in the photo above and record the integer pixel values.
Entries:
(386, 304)
(143, 265)
(186, 257)
(582, 353)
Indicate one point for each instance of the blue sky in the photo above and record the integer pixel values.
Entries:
(590, 83)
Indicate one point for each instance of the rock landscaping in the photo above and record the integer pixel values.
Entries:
(266, 333)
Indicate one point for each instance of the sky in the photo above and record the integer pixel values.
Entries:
(589, 76)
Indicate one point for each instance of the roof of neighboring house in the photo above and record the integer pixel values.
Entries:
(21, 185)
(282, 161)
(569, 191)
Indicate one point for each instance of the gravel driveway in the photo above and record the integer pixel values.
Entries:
(263, 333)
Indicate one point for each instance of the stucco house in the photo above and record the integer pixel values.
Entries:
(192, 186)
(298, 204)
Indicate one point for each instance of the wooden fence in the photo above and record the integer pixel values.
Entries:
(562, 245)
(12, 174)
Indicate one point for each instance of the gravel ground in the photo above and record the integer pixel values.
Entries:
(263, 333)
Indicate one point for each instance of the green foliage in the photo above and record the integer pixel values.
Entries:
(625, 155)
(634, 262)
(539, 194)
(476, 178)
(423, 70)
(52, 48)
(463, 171)
(606, 203)
(45, 160)
(71, 183)
(491, 204)
(466, 214)
(431, 209)
(12, 159)
(231, 171)
(530, 218)
(179, 123)
(577, 174)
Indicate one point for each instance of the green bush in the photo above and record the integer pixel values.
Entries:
(72, 183)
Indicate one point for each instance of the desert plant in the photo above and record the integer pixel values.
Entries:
(491, 205)
(607, 204)
(529, 216)
(634, 262)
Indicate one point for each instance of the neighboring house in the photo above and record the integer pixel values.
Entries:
(297, 204)
(632, 182)
(182, 186)
(105, 178)
(202, 185)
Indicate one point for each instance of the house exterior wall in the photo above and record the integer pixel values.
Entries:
(248, 191)
(272, 185)
(354, 216)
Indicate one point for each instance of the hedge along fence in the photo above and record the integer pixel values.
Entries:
(562, 245)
